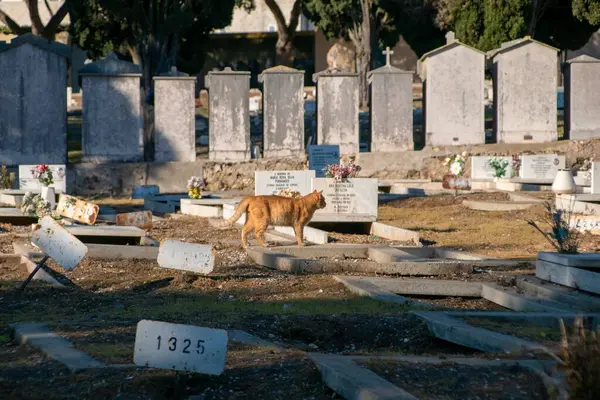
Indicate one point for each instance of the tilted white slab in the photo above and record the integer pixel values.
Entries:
(192, 257)
(54, 240)
(180, 347)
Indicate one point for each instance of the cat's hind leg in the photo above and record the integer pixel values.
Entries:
(260, 234)
(248, 227)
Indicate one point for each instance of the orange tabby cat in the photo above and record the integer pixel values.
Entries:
(262, 211)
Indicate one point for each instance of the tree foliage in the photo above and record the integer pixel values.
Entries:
(47, 31)
(486, 24)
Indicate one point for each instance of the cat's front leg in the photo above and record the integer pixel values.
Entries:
(299, 230)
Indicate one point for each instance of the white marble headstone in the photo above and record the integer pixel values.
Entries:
(358, 196)
(541, 166)
(271, 182)
(27, 180)
(180, 347)
(595, 181)
(58, 243)
(322, 155)
(480, 168)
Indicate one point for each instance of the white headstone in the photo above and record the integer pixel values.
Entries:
(186, 256)
(541, 166)
(58, 243)
(595, 184)
(357, 196)
(28, 181)
(322, 155)
(480, 168)
(180, 347)
(271, 182)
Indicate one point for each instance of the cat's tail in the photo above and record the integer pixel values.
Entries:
(239, 211)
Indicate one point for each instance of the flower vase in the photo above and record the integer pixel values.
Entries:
(49, 196)
(564, 182)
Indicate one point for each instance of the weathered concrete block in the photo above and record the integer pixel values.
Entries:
(201, 210)
(186, 256)
(174, 118)
(54, 240)
(33, 104)
(283, 115)
(568, 276)
(337, 110)
(394, 233)
(229, 128)
(312, 235)
(140, 219)
(582, 97)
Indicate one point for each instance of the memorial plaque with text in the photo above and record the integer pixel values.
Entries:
(322, 155)
(356, 196)
(268, 183)
(541, 167)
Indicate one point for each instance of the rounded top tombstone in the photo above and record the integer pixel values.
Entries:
(111, 65)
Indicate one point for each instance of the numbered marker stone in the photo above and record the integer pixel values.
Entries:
(58, 243)
(186, 256)
(180, 347)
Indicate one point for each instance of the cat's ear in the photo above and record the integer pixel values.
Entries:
(320, 192)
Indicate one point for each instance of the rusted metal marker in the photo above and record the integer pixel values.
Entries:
(79, 210)
(57, 243)
(456, 182)
(140, 219)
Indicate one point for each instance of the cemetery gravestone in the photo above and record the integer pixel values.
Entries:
(229, 115)
(186, 256)
(271, 182)
(54, 240)
(595, 184)
(33, 123)
(582, 92)
(353, 200)
(391, 108)
(112, 111)
(320, 156)
(337, 110)
(453, 95)
(28, 181)
(525, 77)
(541, 167)
(180, 347)
(174, 117)
(283, 116)
(480, 169)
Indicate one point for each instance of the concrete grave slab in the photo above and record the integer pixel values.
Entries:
(15, 216)
(568, 276)
(164, 203)
(481, 205)
(311, 234)
(203, 211)
(14, 197)
(38, 335)
(394, 233)
(186, 256)
(354, 382)
(562, 294)
(585, 260)
(121, 252)
(107, 234)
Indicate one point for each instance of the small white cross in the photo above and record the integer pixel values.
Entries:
(387, 53)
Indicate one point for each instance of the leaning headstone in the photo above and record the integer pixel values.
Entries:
(272, 182)
(283, 114)
(191, 257)
(582, 92)
(54, 240)
(481, 170)
(541, 166)
(112, 111)
(453, 95)
(174, 117)
(525, 78)
(337, 109)
(28, 181)
(229, 128)
(33, 104)
(595, 184)
(320, 156)
(79, 210)
(391, 108)
(180, 347)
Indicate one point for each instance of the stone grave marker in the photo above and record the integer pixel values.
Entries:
(480, 169)
(353, 200)
(192, 257)
(28, 181)
(586, 223)
(140, 219)
(595, 184)
(180, 347)
(541, 166)
(54, 240)
(79, 210)
(582, 90)
(271, 182)
(322, 155)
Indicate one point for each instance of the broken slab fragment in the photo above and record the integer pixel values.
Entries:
(186, 256)
(79, 210)
(58, 243)
(139, 219)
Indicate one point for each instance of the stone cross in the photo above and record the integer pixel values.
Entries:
(387, 53)
(450, 37)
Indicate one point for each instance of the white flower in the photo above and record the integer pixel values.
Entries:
(447, 160)
(464, 153)
(455, 168)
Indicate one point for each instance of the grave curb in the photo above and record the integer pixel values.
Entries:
(576, 278)
(354, 382)
(559, 293)
(499, 206)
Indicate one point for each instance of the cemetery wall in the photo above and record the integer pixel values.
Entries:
(121, 178)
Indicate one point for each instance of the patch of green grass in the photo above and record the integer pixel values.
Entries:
(525, 331)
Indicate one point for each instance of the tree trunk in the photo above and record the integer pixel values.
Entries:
(283, 50)
(363, 66)
(362, 38)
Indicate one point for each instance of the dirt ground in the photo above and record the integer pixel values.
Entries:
(103, 300)
(457, 382)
